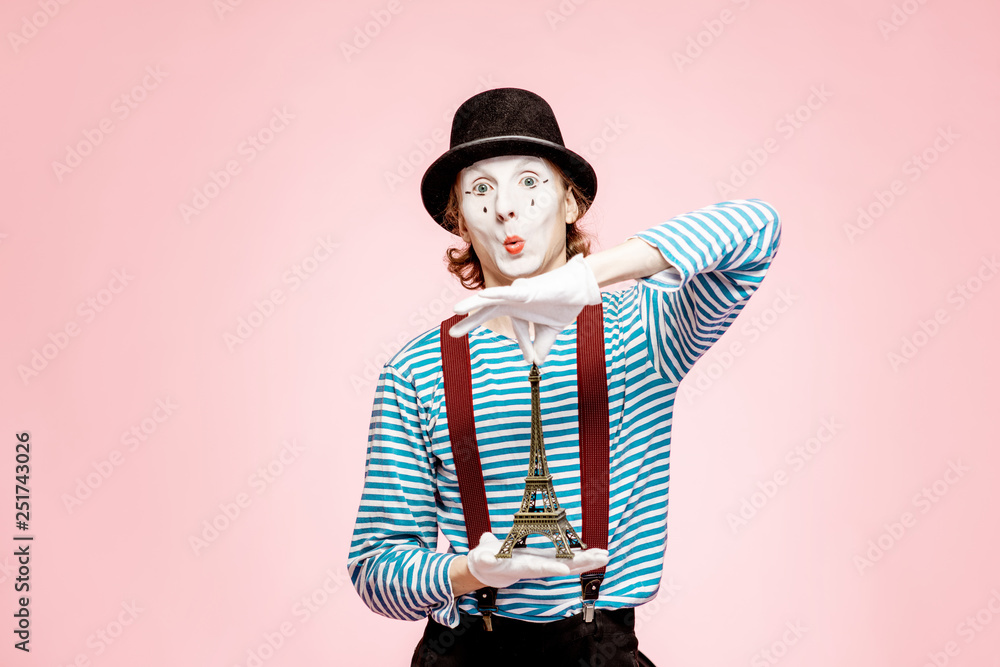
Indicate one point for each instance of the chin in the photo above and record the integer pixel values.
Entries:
(513, 269)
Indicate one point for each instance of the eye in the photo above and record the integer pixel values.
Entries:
(529, 181)
(481, 188)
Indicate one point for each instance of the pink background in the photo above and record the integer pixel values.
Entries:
(662, 134)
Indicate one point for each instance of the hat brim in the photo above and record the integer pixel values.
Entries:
(440, 176)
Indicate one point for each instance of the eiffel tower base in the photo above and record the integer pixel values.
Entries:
(553, 525)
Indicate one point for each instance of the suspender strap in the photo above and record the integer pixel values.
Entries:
(592, 405)
(594, 427)
(465, 449)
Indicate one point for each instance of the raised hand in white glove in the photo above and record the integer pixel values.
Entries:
(527, 563)
(551, 300)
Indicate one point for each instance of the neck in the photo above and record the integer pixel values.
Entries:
(502, 327)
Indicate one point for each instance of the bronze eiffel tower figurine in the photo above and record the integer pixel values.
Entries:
(549, 520)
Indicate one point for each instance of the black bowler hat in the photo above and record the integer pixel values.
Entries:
(502, 121)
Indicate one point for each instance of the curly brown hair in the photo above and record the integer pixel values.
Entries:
(463, 261)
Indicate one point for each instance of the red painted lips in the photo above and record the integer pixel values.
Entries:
(513, 244)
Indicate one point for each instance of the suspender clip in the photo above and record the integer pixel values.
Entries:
(588, 611)
(591, 585)
(486, 600)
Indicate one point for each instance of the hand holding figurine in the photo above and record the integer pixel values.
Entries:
(527, 563)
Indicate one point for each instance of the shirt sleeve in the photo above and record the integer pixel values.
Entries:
(718, 257)
(392, 562)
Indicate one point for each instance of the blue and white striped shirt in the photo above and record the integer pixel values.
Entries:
(653, 334)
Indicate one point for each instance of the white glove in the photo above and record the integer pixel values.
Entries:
(527, 563)
(551, 300)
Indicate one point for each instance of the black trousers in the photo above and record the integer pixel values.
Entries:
(608, 641)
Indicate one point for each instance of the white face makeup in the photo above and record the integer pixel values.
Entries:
(516, 214)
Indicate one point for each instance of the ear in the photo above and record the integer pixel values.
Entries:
(463, 229)
(572, 209)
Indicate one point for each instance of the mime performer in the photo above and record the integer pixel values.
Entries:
(515, 195)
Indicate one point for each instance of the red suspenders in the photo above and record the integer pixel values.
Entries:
(592, 390)
(595, 448)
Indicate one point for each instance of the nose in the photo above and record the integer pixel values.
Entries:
(505, 205)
